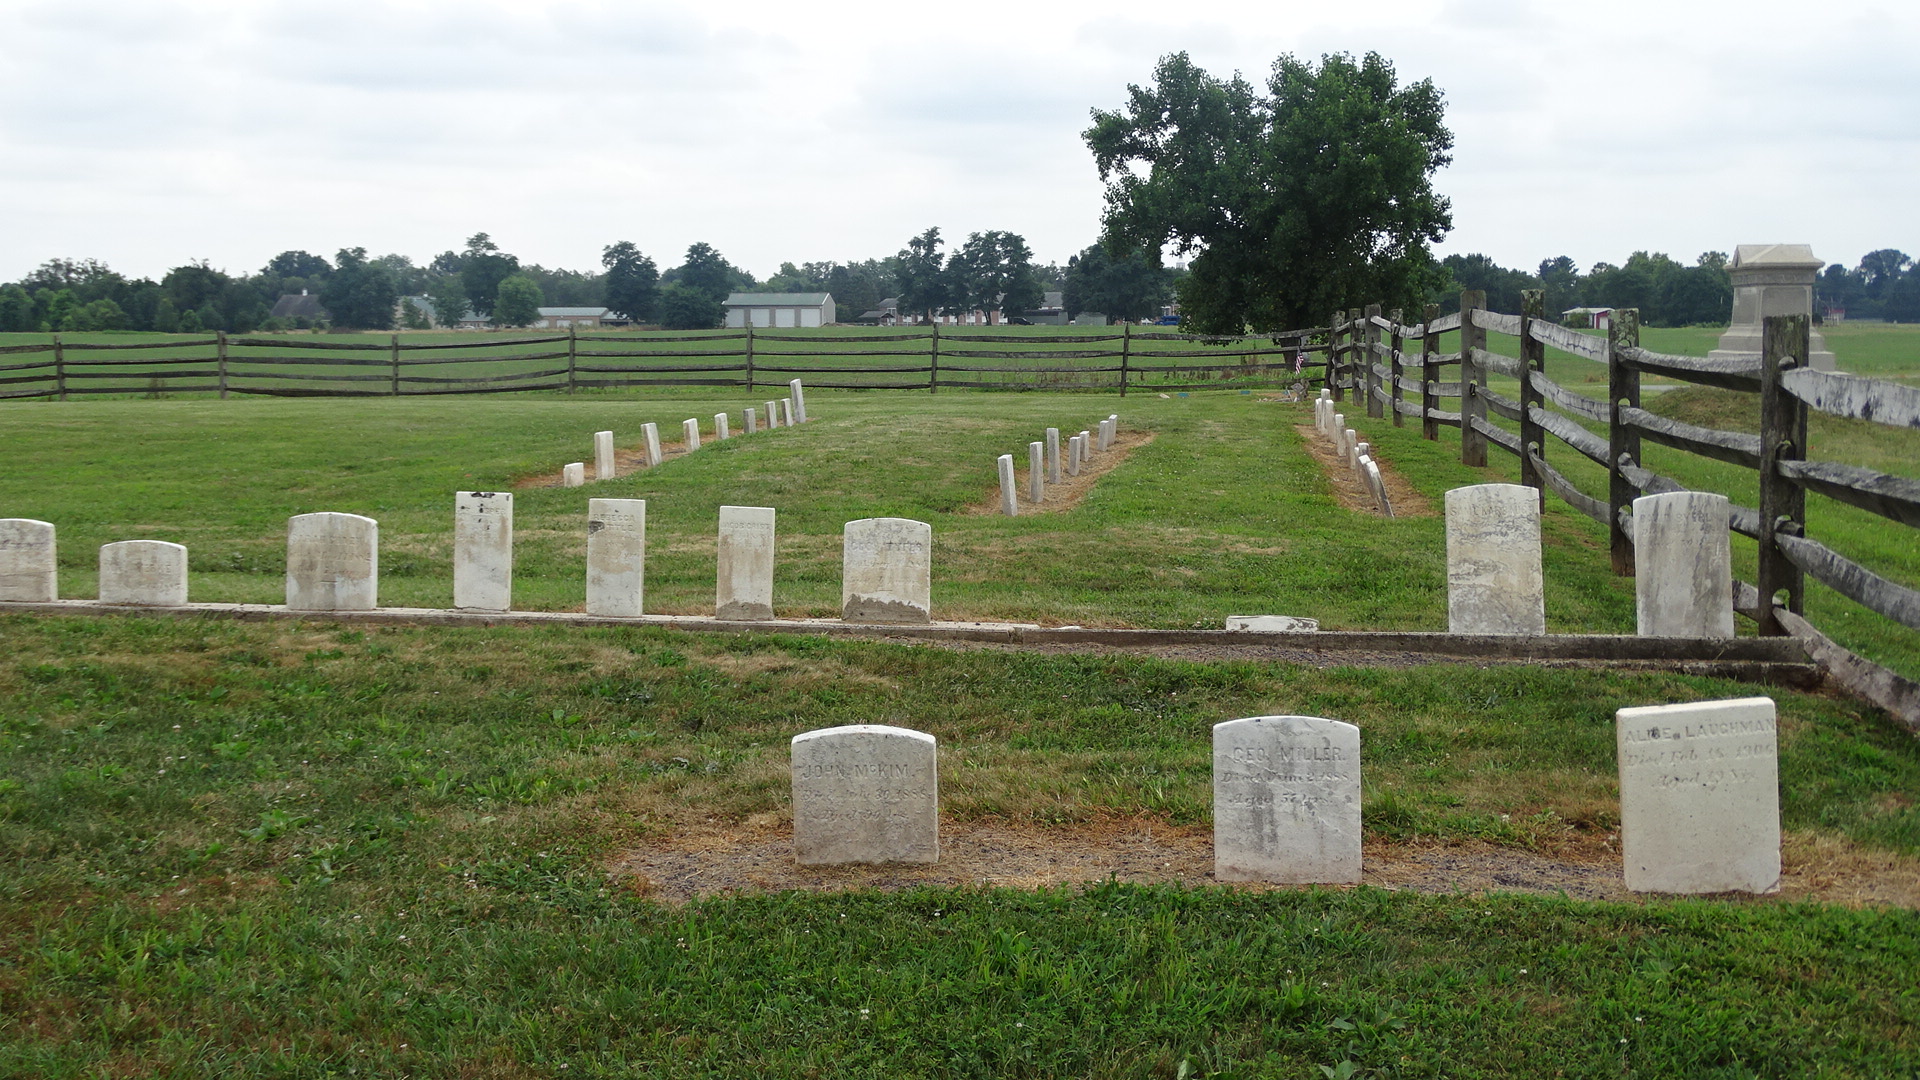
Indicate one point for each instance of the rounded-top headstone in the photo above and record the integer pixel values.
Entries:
(1286, 800)
(1495, 584)
(333, 562)
(886, 571)
(1683, 565)
(146, 572)
(28, 573)
(865, 793)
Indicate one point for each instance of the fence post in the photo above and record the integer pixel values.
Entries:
(1533, 361)
(1473, 445)
(1290, 360)
(1623, 442)
(573, 354)
(933, 371)
(1395, 369)
(59, 367)
(1126, 354)
(1367, 354)
(1783, 436)
(749, 353)
(1429, 395)
(396, 365)
(220, 351)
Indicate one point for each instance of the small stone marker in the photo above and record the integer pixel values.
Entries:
(720, 426)
(573, 474)
(27, 568)
(603, 455)
(616, 556)
(690, 434)
(1286, 800)
(886, 570)
(333, 562)
(1009, 490)
(1494, 581)
(773, 415)
(483, 550)
(865, 793)
(1273, 624)
(1086, 446)
(744, 588)
(1700, 796)
(652, 432)
(786, 412)
(1073, 455)
(1683, 565)
(1379, 486)
(753, 421)
(1053, 455)
(799, 401)
(1349, 439)
(1036, 471)
(1339, 433)
(150, 572)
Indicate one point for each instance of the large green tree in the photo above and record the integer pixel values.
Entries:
(925, 287)
(360, 293)
(1314, 196)
(631, 288)
(1129, 288)
(994, 269)
(518, 302)
(708, 273)
(482, 268)
(683, 307)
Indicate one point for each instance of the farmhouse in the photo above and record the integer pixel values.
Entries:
(779, 310)
(300, 305)
(1587, 318)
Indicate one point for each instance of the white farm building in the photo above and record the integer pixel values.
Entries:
(779, 310)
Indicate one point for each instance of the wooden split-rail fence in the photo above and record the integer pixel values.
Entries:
(1399, 372)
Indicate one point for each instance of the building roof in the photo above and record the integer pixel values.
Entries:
(574, 313)
(778, 299)
(298, 305)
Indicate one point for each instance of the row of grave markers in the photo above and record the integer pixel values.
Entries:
(781, 412)
(1044, 462)
(1699, 797)
(333, 563)
(1357, 454)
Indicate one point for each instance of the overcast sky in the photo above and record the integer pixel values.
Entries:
(145, 133)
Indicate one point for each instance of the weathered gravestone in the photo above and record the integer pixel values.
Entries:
(1036, 463)
(616, 556)
(1009, 490)
(753, 421)
(573, 474)
(1378, 485)
(333, 562)
(1700, 796)
(1494, 581)
(1683, 565)
(786, 412)
(1273, 624)
(865, 793)
(720, 430)
(1073, 455)
(773, 415)
(799, 401)
(27, 568)
(744, 588)
(1286, 800)
(483, 550)
(1087, 449)
(886, 571)
(652, 433)
(690, 434)
(143, 572)
(603, 465)
(1053, 455)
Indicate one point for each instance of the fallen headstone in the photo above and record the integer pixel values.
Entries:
(1273, 624)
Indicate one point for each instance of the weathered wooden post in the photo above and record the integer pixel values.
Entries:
(1290, 360)
(59, 367)
(1533, 362)
(394, 354)
(1786, 345)
(749, 351)
(1370, 359)
(573, 353)
(1396, 369)
(220, 353)
(1473, 377)
(1126, 356)
(933, 370)
(1623, 442)
(1429, 385)
(1336, 327)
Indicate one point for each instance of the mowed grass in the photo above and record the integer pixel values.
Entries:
(308, 850)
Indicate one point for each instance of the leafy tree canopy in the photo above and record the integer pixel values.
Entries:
(920, 271)
(1314, 196)
(518, 302)
(683, 307)
(994, 269)
(708, 273)
(631, 287)
(361, 293)
(298, 264)
(1130, 287)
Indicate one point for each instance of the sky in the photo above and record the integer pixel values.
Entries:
(147, 133)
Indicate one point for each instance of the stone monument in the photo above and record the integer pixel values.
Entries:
(1771, 279)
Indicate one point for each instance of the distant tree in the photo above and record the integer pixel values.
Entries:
(1502, 285)
(518, 303)
(197, 287)
(631, 288)
(449, 298)
(1880, 269)
(98, 315)
(1314, 196)
(993, 270)
(925, 288)
(1129, 288)
(190, 322)
(61, 305)
(683, 307)
(16, 311)
(166, 317)
(297, 264)
(360, 294)
(708, 272)
(1902, 303)
(1560, 277)
(408, 278)
(482, 269)
(412, 316)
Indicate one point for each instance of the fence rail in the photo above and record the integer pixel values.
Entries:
(1360, 339)
(909, 359)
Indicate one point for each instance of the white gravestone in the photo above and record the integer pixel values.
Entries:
(886, 570)
(720, 426)
(1073, 456)
(27, 568)
(333, 562)
(483, 550)
(1700, 796)
(744, 588)
(1273, 624)
(616, 556)
(865, 793)
(1053, 455)
(786, 412)
(1009, 490)
(1378, 484)
(1087, 449)
(1106, 435)
(690, 434)
(1683, 565)
(1286, 800)
(1036, 472)
(148, 572)
(1339, 434)
(1494, 581)
(573, 474)
(773, 415)
(753, 421)
(799, 402)
(652, 432)
(603, 455)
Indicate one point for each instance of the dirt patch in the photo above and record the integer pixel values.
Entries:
(1406, 499)
(630, 460)
(1065, 495)
(692, 861)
